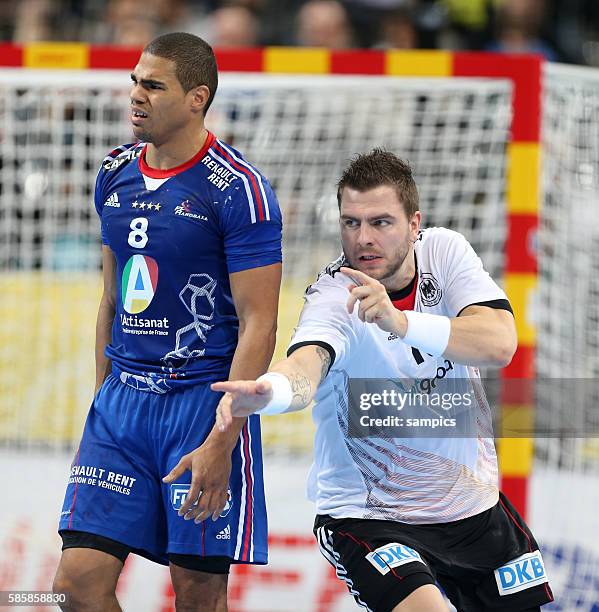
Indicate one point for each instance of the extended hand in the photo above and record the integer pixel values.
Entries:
(375, 305)
(210, 466)
(241, 398)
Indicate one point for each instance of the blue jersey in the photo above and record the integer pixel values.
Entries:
(176, 235)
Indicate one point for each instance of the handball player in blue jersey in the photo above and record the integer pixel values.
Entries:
(191, 253)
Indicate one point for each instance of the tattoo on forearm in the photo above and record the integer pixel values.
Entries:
(301, 387)
(325, 362)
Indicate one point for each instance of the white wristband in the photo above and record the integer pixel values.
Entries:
(427, 332)
(281, 393)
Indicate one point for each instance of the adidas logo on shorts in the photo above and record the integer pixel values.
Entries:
(113, 200)
(224, 534)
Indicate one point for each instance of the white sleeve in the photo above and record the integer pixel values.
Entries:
(467, 282)
(324, 320)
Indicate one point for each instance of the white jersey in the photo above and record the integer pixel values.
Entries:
(412, 480)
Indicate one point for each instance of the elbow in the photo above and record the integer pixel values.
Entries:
(108, 303)
(271, 336)
(265, 330)
(504, 352)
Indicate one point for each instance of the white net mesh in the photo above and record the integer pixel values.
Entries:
(299, 131)
(56, 127)
(565, 483)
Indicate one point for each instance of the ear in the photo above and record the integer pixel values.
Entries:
(199, 98)
(415, 225)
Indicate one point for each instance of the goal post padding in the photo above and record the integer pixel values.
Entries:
(471, 126)
(448, 113)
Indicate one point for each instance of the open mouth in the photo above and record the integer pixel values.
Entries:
(369, 257)
(138, 114)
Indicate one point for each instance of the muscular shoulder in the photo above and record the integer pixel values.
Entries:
(233, 157)
(434, 238)
(120, 157)
(441, 254)
(441, 248)
(239, 184)
(330, 281)
(325, 317)
(229, 164)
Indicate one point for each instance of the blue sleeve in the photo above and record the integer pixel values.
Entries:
(99, 200)
(251, 222)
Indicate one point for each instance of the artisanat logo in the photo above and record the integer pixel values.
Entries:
(139, 281)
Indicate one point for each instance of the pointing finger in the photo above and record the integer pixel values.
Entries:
(357, 293)
(228, 386)
(358, 277)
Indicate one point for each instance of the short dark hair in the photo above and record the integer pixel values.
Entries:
(194, 59)
(379, 167)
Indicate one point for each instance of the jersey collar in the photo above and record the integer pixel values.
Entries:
(158, 174)
(404, 299)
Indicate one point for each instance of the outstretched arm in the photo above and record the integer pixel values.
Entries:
(304, 370)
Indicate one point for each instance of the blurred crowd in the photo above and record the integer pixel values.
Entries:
(561, 30)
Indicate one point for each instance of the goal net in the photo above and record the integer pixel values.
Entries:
(300, 132)
(565, 475)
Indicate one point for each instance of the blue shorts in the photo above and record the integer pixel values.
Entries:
(130, 441)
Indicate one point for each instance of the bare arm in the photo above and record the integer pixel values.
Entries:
(256, 296)
(305, 369)
(482, 336)
(106, 312)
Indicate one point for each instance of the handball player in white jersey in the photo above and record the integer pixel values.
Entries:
(398, 516)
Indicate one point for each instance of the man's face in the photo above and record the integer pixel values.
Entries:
(376, 233)
(159, 106)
